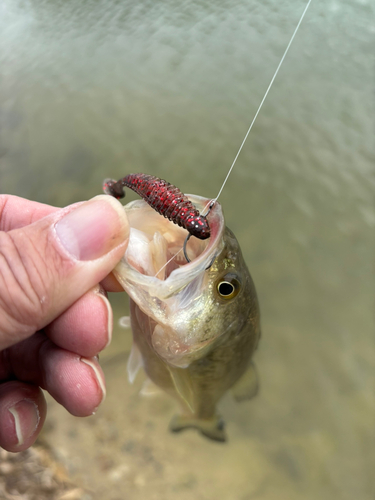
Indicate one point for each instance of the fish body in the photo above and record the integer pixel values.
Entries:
(195, 325)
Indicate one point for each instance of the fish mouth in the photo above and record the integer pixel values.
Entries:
(155, 260)
(164, 285)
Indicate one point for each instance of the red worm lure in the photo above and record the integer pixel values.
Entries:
(165, 198)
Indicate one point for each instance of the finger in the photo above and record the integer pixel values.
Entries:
(110, 284)
(17, 212)
(22, 414)
(46, 266)
(76, 382)
(85, 327)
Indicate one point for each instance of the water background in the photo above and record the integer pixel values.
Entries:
(101, 88)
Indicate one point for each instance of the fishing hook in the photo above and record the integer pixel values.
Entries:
(184, 247)
(212, 203)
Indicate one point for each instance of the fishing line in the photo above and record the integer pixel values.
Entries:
(211, 203)
(261, 104)
(168, 261)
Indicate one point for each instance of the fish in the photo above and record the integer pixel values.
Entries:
(196, 323)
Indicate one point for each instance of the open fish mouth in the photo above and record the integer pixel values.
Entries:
(154, 259)
(157, 277)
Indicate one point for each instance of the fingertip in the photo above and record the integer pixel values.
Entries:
(76, 382)
(93, 229)
(98, 375)
(22, 415)
(99, 292)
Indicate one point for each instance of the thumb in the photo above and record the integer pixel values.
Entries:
(46, 266)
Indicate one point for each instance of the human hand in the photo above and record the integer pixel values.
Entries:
(54, 317)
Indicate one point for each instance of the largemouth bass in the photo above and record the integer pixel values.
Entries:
(195, 325)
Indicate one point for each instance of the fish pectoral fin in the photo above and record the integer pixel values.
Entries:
(149, 389)
(212, 428)
(135, 362)
(182, 383)
(247, 386)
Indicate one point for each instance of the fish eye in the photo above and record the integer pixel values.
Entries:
(228, 287)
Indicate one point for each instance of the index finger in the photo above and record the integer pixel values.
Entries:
(16, 212)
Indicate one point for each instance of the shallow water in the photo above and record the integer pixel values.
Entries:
(99, 89)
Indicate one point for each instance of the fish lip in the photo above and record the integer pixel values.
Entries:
(130, 278)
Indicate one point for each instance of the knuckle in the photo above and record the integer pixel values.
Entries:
(23, 282)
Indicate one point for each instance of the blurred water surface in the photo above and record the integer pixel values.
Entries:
(101, 88)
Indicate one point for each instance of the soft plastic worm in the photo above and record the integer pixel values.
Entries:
(165, 198)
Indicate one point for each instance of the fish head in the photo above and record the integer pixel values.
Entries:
(190, 306)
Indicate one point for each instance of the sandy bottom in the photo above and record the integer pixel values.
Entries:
(301, 438)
